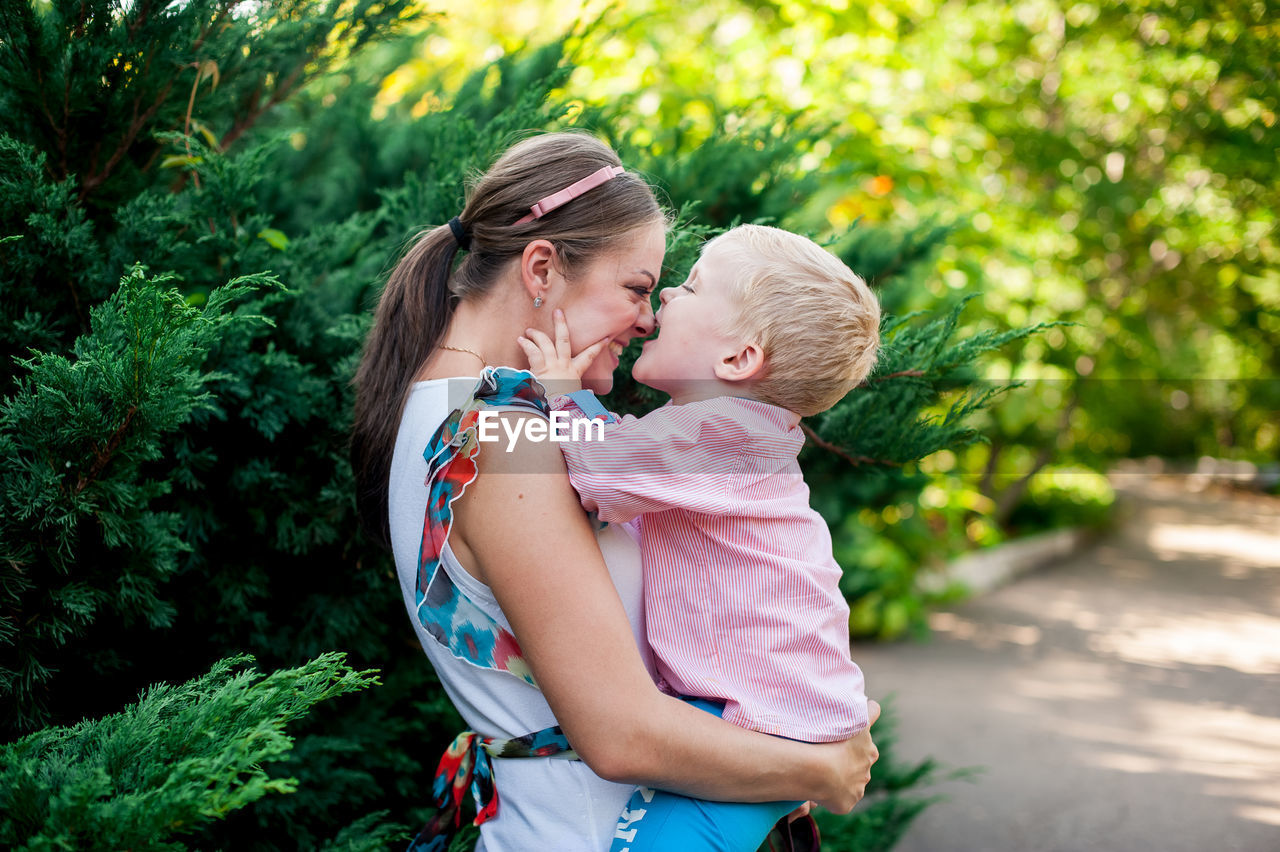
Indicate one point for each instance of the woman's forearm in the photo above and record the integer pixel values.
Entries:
(679, 748)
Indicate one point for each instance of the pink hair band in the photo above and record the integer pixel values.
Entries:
(570, 192)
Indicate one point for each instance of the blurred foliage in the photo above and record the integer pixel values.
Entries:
(1064, 496)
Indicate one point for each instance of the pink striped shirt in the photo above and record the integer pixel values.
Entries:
(742, 598)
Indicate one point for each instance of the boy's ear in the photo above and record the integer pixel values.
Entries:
(745, 364)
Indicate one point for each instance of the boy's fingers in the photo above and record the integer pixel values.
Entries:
(532, 352)
(562, 332)
(540, 339)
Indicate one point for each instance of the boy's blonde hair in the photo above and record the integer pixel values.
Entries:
(817, 322)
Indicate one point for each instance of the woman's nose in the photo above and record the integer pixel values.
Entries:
(644, 322)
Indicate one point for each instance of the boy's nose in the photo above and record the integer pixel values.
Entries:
(666, 293)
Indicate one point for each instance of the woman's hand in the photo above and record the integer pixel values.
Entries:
(552, 361)
(853, 767)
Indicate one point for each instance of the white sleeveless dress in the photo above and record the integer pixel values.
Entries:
(544, 803)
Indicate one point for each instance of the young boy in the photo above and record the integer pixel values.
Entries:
(742, 602)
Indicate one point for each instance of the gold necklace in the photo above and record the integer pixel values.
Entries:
(467, 351)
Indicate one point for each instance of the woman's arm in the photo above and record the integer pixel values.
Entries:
(520, 530)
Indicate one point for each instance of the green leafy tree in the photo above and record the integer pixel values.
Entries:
(1120, 157)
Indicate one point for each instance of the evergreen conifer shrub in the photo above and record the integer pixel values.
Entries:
(159, 770)
(81, 540)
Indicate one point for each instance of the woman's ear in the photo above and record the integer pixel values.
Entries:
(537, 264)
(745, 364)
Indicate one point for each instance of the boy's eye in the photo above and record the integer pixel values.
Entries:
(686, 287)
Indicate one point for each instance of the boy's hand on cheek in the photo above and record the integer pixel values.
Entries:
(552, 361)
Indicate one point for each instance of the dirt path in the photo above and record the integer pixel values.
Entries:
(1127, 698)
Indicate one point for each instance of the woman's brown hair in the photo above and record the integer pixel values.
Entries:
(415, 307)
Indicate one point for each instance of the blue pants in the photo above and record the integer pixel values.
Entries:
(658, 821)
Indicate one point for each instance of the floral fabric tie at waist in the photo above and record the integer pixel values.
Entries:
(465, 764)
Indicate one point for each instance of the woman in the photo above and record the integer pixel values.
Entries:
(556, 223)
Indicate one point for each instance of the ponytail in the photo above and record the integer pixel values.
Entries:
(410, 321)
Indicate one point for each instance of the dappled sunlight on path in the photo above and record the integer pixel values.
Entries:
(1169, 541)
(1248, 644)
(1127, 698)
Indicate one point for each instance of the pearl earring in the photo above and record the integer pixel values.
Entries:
(537, 301)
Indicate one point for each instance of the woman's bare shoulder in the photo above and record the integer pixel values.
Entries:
(520, 498)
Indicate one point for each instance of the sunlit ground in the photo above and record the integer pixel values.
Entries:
(1128, 698)
(1234, 543)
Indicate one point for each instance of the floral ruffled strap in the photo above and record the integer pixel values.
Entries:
(465, 764)
(444, 610)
